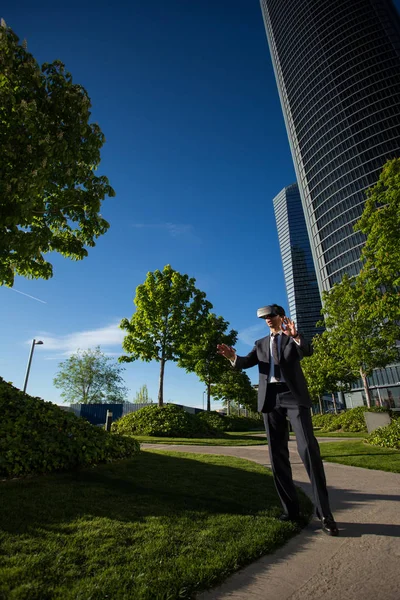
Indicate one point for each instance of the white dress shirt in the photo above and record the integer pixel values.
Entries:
(271, 375)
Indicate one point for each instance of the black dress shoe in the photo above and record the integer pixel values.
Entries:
(329, 526)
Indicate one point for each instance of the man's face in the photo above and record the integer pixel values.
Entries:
(273, 321)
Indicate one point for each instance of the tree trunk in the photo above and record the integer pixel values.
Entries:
(366, 387)
(334, 403)
(161, 386)
(228, 408)
(208, 397)
(320, 405)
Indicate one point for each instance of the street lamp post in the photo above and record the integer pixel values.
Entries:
(28, 368)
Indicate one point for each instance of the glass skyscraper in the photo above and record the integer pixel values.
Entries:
(298, 266)
(337, 67)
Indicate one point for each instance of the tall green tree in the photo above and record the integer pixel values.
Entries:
(142, 396)
(380, 222)
(325, 370)
(202, 357)
(170, 311)
(50, 197)
(90, 377)
(355, 331)
(235, 386)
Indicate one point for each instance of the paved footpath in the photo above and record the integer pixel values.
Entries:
(363, 563)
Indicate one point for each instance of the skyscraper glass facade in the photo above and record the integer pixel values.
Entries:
(298, 266)
(337, 67)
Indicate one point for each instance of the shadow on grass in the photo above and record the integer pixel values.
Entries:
(152, 484)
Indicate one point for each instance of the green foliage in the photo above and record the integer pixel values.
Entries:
(213, 420)
(38, 437)
(350, 420)
(165, 421)
(170, 311)
(173, 421)
(50, 197)
(235, 386)
(201, 356)
(90, 377)
(218, 422)
(142, 396)
(323, 420)
(356, 336)
(380, 222)
(325, 370)
(386, 437)
(234, 423)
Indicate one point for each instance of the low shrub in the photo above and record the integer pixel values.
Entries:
(213, 420)
(38, 437)
(235, 423)
(324, 420)
(387, 437)
(351, 420)
(166, 421)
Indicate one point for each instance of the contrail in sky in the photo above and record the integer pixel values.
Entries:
(28, 296)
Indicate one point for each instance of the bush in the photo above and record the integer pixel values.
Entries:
(234, 423)
(350, 420)
(38, 437)
(166, 421)
(213, 420)
(387, 437)
(324, 420)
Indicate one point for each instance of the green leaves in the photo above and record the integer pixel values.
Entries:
(90, 377)
(50, 197)
(380, 221)
(201, 355)
(235, 386)
(39, 437)
(170, 311)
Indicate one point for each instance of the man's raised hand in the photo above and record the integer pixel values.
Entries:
(226, 351)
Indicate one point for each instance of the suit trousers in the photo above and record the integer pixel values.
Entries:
(278, 437)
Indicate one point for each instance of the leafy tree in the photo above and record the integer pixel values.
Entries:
(325, 370)
(356, 332)
(90, 377)
(235, 386)
(142, 396)
(380, 222)
(50, 197)
(170, 311)
(202, 357)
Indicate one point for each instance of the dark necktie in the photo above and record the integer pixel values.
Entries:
(275, 355)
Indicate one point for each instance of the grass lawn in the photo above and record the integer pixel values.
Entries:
(358, 454)
(227, 439)
(160, 526)
(339, 434)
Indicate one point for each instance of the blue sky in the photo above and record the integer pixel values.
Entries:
(196, 148)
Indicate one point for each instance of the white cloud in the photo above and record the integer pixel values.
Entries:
(105, 337)
(250, 334)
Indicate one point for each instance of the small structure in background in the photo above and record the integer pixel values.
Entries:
(109, 418)
(374, 420)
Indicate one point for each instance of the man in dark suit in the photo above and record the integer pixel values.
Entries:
(282, 395)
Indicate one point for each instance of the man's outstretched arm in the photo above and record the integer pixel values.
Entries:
(238, 362)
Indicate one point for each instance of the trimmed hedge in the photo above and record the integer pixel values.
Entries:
(235, 423)
(39, 437)
(173, 421)
(213, 420)
(166, 421)
(386, 437)
(350, 420)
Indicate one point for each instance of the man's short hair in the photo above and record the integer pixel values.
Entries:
(270, 309)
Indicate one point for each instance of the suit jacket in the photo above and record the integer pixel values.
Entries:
(289, 362)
